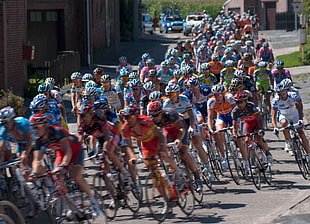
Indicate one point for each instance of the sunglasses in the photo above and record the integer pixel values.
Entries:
(194, 87)
(38, 126)
(172, 94)
(6, 121)
(240, 102)
(281, 93)
(216, 95)
(90, 97)
(136, 88)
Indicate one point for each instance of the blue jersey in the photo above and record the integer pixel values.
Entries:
(22, 125)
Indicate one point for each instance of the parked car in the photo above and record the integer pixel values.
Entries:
(171, 23)
(191, 20)
(147, 23)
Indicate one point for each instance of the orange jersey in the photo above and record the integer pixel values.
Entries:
(224, 108)
(216, 67)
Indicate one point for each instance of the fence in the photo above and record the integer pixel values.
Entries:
(285, 21)
(62, 67)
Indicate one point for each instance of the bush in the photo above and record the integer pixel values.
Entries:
(306, 60)
(9, 99)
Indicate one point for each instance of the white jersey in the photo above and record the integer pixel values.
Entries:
(113, 98)
(181, 107)
(286, 106)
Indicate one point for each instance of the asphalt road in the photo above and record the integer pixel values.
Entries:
(282, 202)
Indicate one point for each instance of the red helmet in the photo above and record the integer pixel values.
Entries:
(38, 119)
(98, 71)
(85, 108)
(155, 107)
(242, 96)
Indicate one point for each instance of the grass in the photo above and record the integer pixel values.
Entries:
(294, 59)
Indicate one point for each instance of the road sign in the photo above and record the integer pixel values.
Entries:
(298, 6)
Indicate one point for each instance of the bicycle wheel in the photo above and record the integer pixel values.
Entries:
(255, 168)
(156, 197)
(131, 197)
(56, 208)
(13, 212)
(233, 166)
(215, 159)
(186, 198)
(267, 172)
(6, 219)
(105, 191)
(301, 157)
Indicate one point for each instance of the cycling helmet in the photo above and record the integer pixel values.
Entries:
(174, 88)
(239, 74)
(90, 84)
(132, 109)
(105, 78)
(135, 83)
(91, 91)
(155, 95)
(146, 56)
(228, 51)
(205, 66)
(186, 55)
(84, 108)
(287, 83)
(192, 82)
(229, 63)
(279, 87)
(214, 56)
(155, 107)
(101, 104)
(87, 77)
(149, 86)
(242, 96)
(247, 55)
(123, 72)
(235, 83)
(98, 71)
(122, 58)
(174, 52)
(7, 113)
(133, 75)
(44, 87)
(187, 70)
(150, 61)
(38, 103)
(279, 64)
(216, 89)
(76, 75)
(50, 80)
(177, 73)
(172, 60)
(247, 36)
(164, 64)
(248, 43)
(38, 119)
(265, 44)
(262, 64)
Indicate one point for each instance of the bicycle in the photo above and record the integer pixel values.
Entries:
(301, 156)
(67, 203)
(112, 191)
(263, 108)
(257, 161)
(10, 213)
(233, 156)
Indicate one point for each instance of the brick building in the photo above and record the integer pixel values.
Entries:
(273, 14)
(52, 27)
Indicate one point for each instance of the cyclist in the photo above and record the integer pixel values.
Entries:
(150, 64)
(142, 62)
(68, 153)
(279, 73)
(262, 78)
(122, 81)
(203, 56)
(187, 61)
(123, 64)
(221, 104)
(265, 53)
(288, 105)
(98, 72)
(165, 73)
(112, 92)
(205, 76)
(227, 73)
(136, 93)
(183, 106)
(76, 91)
(156, 80)
(152, 139)
(216, 66)
(249, 114)
(148, 88)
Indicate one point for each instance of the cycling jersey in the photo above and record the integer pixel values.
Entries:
(265, 55)
(227, 75)
(165, 77)
(22, 126)
(248, 116)
(262, 80)
(112, 97)
(145, 71)
(55, 95)
(131, 99)
(78, 91)
(149, 141)
(127, 66)
(278, 77)
(56, 135)
(190, 64)
(97, 98)
(201, 102)
(182, 106)
(249, 84)
(142, 63)
(286, 106)
(210, 81)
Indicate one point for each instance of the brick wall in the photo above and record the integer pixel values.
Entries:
(13, 37)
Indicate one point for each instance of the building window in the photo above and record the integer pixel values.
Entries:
(36, 16)
(51, 16)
